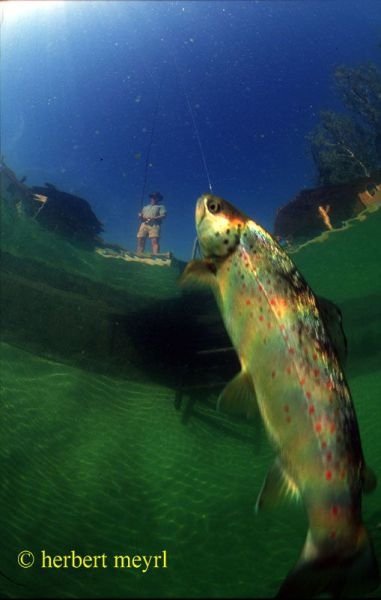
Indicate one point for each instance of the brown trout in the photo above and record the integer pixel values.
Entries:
(291, 374)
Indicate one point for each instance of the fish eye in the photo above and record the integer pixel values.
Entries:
(214, 206)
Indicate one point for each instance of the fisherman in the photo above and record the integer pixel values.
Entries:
(151, 217)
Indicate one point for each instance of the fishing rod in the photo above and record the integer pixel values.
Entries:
(148, 155)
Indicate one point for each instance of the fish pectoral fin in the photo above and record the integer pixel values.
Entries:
(239, 397)
(276, 487)
(369, 480)
(199, 272)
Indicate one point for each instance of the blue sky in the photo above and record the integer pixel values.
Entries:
(80, 83)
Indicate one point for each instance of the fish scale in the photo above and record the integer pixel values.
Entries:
(274, 294)
(291, 373)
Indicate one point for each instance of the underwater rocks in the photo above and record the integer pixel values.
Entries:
(316, 210)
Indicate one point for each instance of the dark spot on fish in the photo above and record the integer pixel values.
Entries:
(227, 231)
(217, 233)
(226, 241)
(294, 279)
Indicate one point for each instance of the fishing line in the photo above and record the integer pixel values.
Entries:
(197, 133)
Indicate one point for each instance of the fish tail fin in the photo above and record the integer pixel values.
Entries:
(316, 574)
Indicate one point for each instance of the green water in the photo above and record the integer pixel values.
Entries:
(100, 463)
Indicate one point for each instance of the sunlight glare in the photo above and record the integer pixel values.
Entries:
(13, 9)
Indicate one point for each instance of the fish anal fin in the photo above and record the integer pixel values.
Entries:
(199, 273)
(238, 397)
(276, 487)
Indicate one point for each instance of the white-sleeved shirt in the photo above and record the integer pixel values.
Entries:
(154, 210)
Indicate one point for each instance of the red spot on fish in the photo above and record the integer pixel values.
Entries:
(335, 511)
(318, 427)
(328, 475)
(332, 428)
(311, 409)
(302, 381)
(291, 350)
(286, 408)
(315, 356)
(329, 385)
(261, 318)
(329, 456)
(288, 370)
(247, 302)
(308, 394)
(272, 301)
(316, 372)
(324, 444)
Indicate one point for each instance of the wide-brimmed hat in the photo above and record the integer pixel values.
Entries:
(156, 195)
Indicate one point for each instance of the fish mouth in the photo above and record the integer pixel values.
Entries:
(200, 209)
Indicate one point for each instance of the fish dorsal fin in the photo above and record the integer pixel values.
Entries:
(238, 397)
(331, 315)
(369, 480)
(276, 487)
(199, 273)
